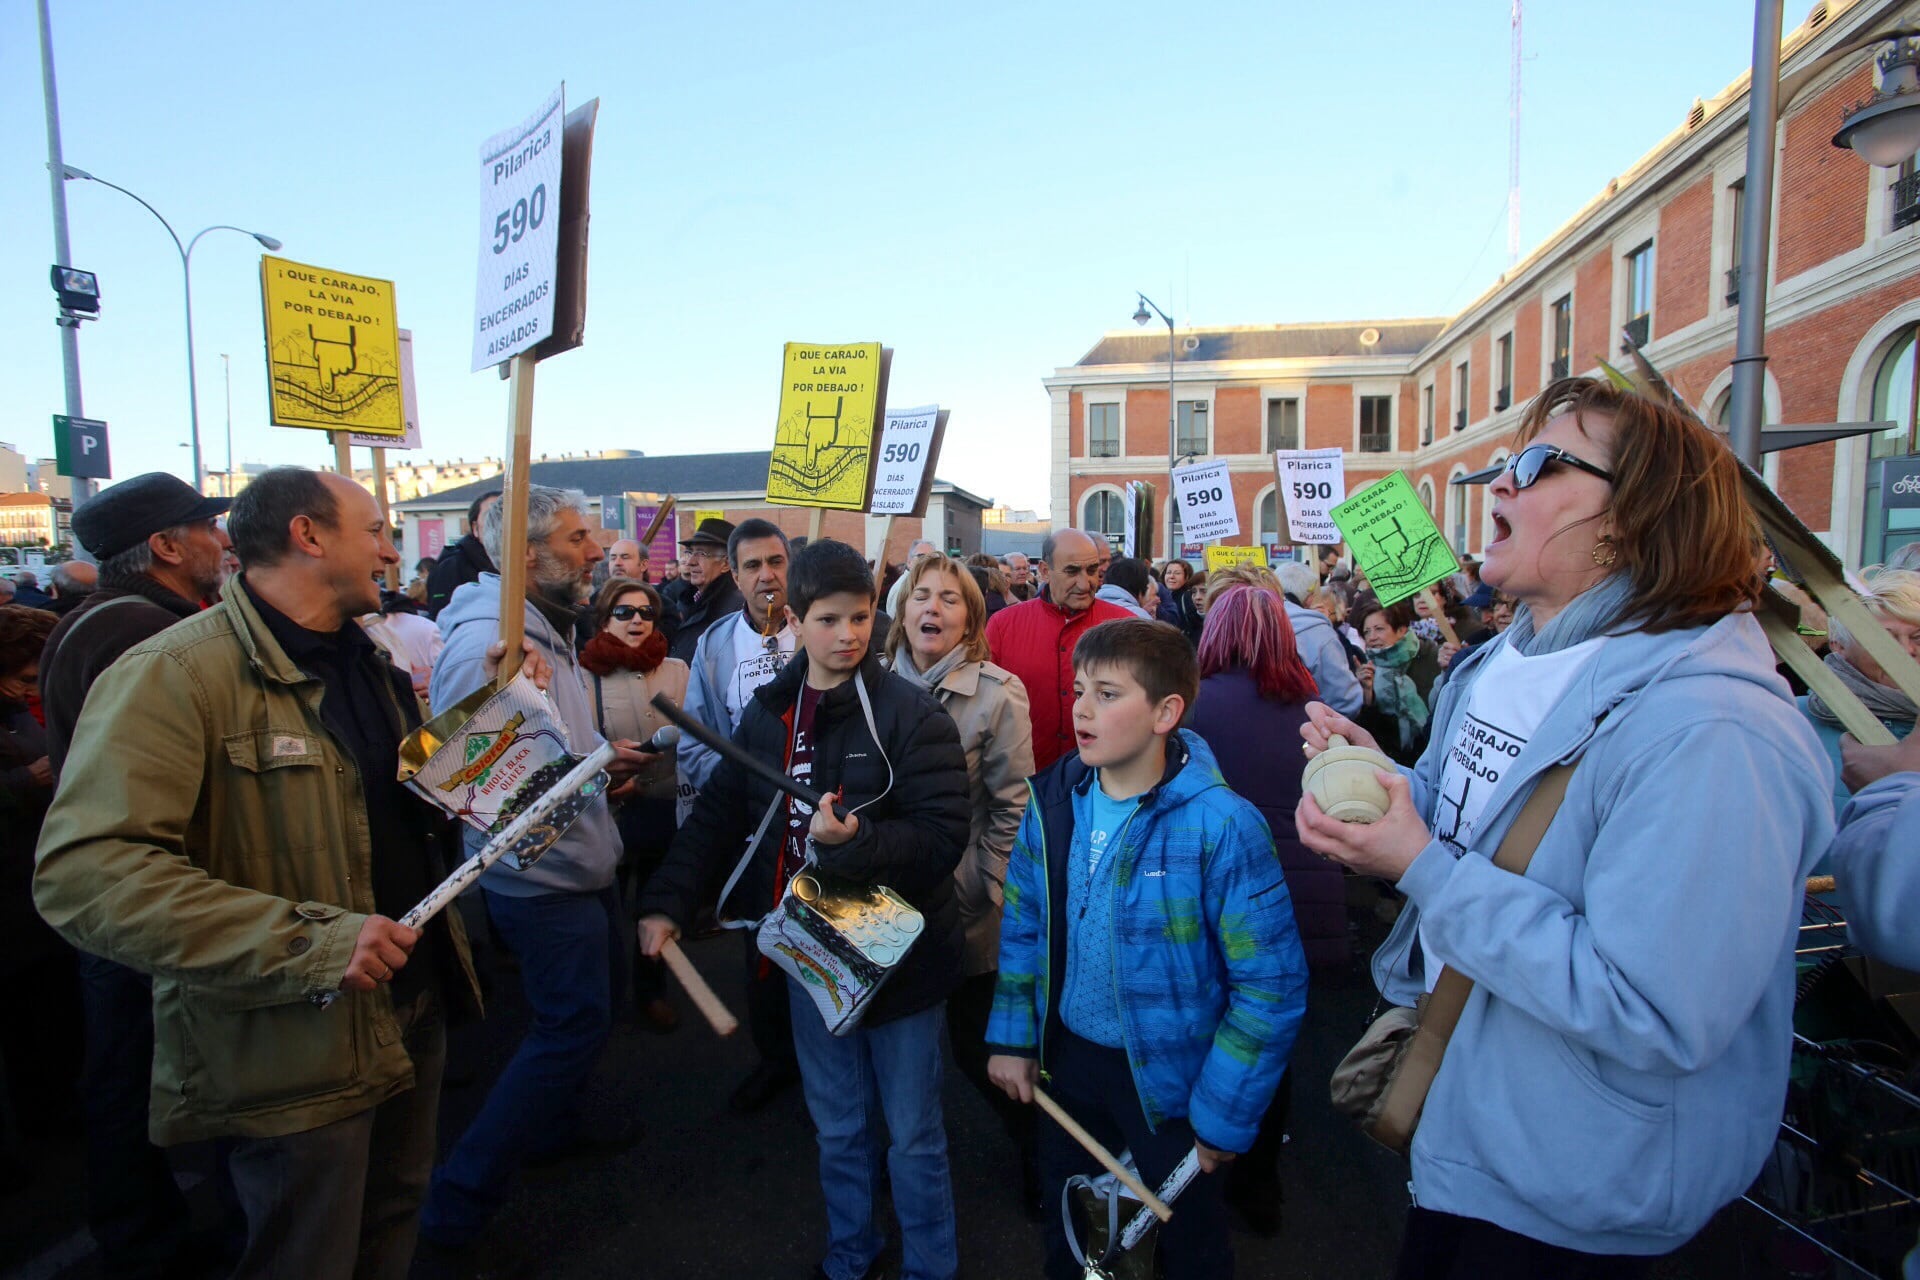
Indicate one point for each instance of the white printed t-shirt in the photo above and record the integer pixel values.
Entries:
(751, 664)
(1511, 696)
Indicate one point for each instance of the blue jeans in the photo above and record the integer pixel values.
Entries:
(852, 1082)
(569, 946)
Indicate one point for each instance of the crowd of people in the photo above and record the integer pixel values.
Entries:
(1083, 772)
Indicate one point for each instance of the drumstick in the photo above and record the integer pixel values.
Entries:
(1104, 1156)
(717, 1013)
(745, 759)
(463, 876)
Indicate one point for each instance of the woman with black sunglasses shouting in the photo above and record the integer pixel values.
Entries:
(628, 663)
(1624, 981)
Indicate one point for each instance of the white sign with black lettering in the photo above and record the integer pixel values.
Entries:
(519, 235)
(1512, 696)
(1312, 482)
(409, 405)
(906, 449)
(1204, 491)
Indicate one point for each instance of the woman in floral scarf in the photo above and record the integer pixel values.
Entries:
(1396, 678)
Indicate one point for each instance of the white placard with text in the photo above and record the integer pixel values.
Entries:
(906, 450)
(409, 405)
(519, 235)
(1312, 482)
(1204, 491)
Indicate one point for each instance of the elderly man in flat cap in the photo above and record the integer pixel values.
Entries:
(160, 547)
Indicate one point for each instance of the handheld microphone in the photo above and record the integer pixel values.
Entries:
(664, 739)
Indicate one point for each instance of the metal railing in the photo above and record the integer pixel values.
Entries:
(1906, 200)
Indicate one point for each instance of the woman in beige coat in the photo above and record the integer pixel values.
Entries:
(939, 641)
(628, 664)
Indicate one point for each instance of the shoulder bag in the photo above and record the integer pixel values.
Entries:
(1382, 1082)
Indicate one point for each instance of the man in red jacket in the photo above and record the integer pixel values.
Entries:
(1035, 639)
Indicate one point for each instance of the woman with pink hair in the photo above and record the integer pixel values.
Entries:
(1253, 694)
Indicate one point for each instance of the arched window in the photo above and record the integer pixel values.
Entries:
(1895, 395)
(1105, 513)
(1176, 530)
(1266, 521)
(1893, 398)
(1456, 528)
(1426, 497)
(1499, 459)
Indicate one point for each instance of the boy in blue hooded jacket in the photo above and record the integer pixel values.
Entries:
(1136, 847)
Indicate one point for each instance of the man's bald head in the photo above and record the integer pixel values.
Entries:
(1069, 569)
(625, 559)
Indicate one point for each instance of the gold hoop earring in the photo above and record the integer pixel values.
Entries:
(1605, 553)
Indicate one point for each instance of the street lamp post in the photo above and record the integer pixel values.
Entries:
(186, 273)
(1883, 131)
(1140, 316)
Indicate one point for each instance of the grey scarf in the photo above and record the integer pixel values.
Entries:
(1591, 613)
(930, 678)
(1884, 703)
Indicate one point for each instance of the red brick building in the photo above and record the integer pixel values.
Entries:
(1439, 398)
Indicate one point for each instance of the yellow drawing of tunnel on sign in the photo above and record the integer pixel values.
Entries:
(823, 445)
(333, 346)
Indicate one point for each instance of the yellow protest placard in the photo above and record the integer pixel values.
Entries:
(830, 401)
(1221, 557)
(333, 346)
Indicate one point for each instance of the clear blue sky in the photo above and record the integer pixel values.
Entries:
(981, 186)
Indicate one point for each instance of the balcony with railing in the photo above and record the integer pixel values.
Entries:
(1906, 200)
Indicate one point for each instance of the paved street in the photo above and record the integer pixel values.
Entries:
(710, 1195)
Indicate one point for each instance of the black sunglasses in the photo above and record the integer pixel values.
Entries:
(1527, 465)
(627, 612)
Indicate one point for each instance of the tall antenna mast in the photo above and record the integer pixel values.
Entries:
(1513, 148)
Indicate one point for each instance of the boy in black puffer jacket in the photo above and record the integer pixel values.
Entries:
(839, 721)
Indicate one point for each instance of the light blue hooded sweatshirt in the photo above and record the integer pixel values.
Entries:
(582, 860)
(1875, 865)
(1879, 879)
(1619, 1070)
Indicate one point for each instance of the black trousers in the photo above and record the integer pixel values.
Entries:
(1095, 1086)
(646, 829)
(967, 1011)
(1444, 1246)
(769, 1017)
(134, 1209)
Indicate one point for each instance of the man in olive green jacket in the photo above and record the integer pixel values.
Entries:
(222, 826)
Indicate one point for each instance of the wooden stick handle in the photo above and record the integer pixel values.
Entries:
(513, 501)
(709, 1004)
(1440, 616)
(1820, 884)
(1104, 1156)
